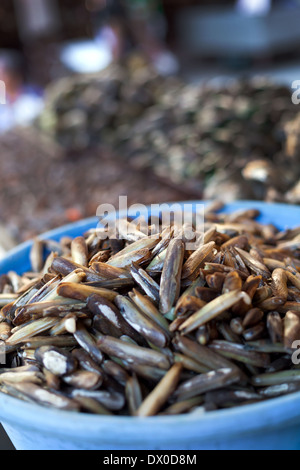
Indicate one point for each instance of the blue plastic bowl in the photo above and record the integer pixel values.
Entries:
(271, 425)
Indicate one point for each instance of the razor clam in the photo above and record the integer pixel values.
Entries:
(133, 395)
(239, 352)
(213, 310)
(64, 326)
(241, 241)
(275, 327)
(57, 341)
(289, 306)
(252, 284)
(157, 264)
(293, 278)
(54, 308)
(160, 395)
(82, 292)
(91, 405)
(221, 268)
(253, 317)
(48, 290)
(189, 364)
(105, 327)
(33, 377)
(5, 284)
(112, 284)
(116, 371)
(149, 286)
(254, 333)
(27, 355)
(148, 308)
(279, 390)
(126, 260)
(166, 235)
(223, 398)
(84, 380)
(292, 245)
(274, 264)
(10, 389)
(226, 332)
(79, 251)
(197, 259)
(88, 343)
(57, 361)
(6, 299)
(280, 288)
(262, 294)
(184, 406)
(48, 262)
(266, 346)
(115, 246)
(8, 311)
(144, 244)
(103, 308)
(236, 326)
(204, 356)
(71, 323)
(36, 255)
(110, 272)
(191, 305)
(129, 231)
(32, 329)
(45, 397)
(151, 374)
(293, 295)
(253, 264)
(171, 275)
(277, 378)
(133, 354)
(64, 267)
(283, 363)
(203, 335)
(207, 382)
(242, 214)
(86, 362)
(291, 329)
(111, 400)
(5, 331)
(216, 281)
(190, 291)
(141, 323)
(20, 369)
(271, 304)
(232, 282)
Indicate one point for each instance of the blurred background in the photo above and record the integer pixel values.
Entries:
(159, 100)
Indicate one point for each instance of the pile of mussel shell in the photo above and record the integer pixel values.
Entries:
(237, 141)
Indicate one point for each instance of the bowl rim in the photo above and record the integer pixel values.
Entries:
(238, 420)
(31, 415)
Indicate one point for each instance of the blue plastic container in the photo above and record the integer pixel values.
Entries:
(272, 425)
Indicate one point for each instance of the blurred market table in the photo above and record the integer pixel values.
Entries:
(41, 188)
